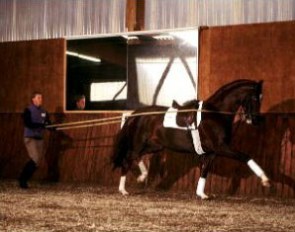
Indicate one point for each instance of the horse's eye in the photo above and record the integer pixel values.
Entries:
(255, 98)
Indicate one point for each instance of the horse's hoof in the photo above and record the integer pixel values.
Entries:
(203, 197)
(124, 192)
(141, 178)
(266, 183)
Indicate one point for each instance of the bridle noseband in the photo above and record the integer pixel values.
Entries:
(247, 105)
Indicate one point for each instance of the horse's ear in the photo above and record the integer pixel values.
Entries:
(175, 104)
(259, 85)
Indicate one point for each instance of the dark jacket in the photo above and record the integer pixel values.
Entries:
(35, 120)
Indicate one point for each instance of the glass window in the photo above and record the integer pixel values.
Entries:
(126, 72)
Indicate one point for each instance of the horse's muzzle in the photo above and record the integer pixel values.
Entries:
(258, 120)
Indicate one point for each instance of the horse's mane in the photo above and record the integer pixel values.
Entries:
(190, 103)
(222, 91)
(230, 86)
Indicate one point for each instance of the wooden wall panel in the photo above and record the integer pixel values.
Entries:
(29, 66)
(259, 52)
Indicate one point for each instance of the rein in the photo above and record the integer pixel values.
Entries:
(118, 119)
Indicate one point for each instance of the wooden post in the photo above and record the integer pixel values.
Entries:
(135, 15)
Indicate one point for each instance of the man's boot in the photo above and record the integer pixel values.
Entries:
(27, 173)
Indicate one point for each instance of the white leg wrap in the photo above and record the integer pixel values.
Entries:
(259, 172)
(201, 187)
(122, 185)
(256, 168)
(249, 121)
(143, 170)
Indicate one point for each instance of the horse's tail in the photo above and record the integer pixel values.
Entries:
(122, 145)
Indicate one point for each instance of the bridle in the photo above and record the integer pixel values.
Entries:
(247, 105)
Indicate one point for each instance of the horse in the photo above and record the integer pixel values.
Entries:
(209, 121)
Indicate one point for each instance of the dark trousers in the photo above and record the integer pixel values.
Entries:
(27, 173)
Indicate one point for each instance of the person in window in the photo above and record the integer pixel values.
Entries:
(80, 102)
(35, 119)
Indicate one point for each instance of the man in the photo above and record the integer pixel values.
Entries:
(35, 120)
(80, 102)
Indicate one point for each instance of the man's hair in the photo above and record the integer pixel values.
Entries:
(79, 97)
(35, 93)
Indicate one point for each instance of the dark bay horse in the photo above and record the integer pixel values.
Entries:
(212, 124)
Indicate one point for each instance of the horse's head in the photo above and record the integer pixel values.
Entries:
(240, 96)
(251, 104)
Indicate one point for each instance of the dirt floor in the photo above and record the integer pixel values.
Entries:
(73, 207)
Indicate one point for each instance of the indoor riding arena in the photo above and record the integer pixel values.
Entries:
(147, 115)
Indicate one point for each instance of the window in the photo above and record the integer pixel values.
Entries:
(126, 72)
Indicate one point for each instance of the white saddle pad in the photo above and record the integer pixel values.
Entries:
(170, 122)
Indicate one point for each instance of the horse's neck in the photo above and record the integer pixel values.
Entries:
(227, 101)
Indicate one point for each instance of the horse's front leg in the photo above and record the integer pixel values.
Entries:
(259, 172)
(143, 170)
(206, 165)
(244, 158)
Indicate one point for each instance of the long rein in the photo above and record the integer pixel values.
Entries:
(118, 119)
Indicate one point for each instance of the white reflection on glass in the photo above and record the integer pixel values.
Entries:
(83, 57)
(177, 85)
(189, 37)
(108, 91)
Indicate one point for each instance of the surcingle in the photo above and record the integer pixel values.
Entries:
(170, 121)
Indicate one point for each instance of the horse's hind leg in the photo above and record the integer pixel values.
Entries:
(124, 170)
(206, 165)
(122, 188)
(151, 146)
(144, 172)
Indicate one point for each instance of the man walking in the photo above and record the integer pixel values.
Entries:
(35, 120)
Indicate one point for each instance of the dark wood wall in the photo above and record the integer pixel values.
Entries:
(260, 52)
(29, 66)
(252, 51)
